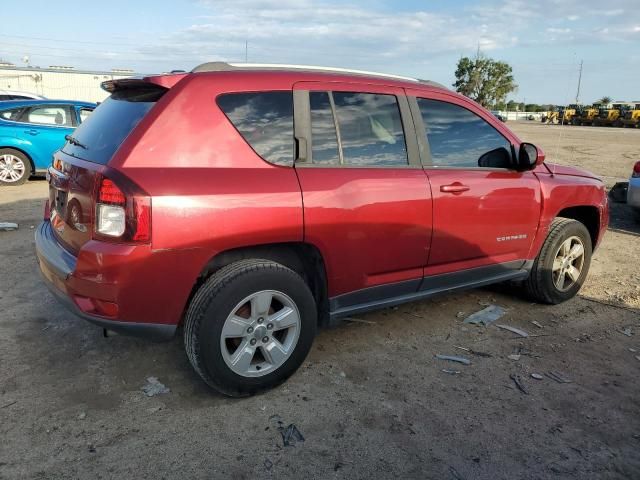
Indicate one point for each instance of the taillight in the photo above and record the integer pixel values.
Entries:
(121, 217)
(636, 170)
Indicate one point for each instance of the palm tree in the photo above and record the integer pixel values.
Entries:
(604, 100)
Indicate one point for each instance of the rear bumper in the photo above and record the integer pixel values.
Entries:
(633, 192)
(57, 266)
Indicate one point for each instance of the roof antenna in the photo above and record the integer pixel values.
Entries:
(579, 81)
(557, 149)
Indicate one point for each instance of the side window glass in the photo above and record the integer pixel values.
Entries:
(84, 114)
(324, 140)
(11, 115)
(460, 138)
(265, 121)
(49, 115)
(370, 127)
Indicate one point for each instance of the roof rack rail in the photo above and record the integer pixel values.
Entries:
(431, 83)
(224, 66)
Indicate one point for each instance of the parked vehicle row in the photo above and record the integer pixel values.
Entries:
(619, 115)
(252, 204)
(31, 131)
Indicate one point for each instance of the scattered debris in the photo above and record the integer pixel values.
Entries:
(633, 350)
(486, 316)
(609, 304)
(514, 356)
(474, 352)
(518, 381)
(451, 372)
(92, 448)
(343, 375)
(460, 314)
(627, 331)
(453, 358)
(9, 404)
(8, 226)
(154, 387)
(537, 324)
(359, 320)
(637, 357)
(515, 330)
(557, 376)
(82, 416)
(291, 435)
(537, 376)
(268, 464)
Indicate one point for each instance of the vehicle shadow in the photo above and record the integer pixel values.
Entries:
(623, 219)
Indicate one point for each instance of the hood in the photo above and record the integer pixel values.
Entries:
(567, 170)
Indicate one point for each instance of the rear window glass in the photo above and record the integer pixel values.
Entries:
(265, 121)
(58, 115)
(370, 129)
(102, 132)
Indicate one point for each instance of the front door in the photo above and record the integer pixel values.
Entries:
(485, 211)
(367, 202)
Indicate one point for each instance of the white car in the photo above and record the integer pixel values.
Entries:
(13, 95)
(633, 193)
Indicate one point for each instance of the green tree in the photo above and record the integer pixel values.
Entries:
(604, 100)
(484, 80)
(512, 105)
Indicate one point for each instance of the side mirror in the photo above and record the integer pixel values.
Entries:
(530, 156)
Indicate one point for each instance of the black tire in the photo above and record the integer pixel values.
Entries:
(216, 299)
(539, 286)
(25, 161)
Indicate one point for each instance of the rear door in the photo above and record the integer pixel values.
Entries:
(486, 213)
(367, 203)
(45, 126)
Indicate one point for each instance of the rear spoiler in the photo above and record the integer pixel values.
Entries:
(164, 82)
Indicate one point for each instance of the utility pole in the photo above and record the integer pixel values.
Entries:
(579, 81)
(246, 51)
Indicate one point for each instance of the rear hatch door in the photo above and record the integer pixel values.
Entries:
(78, 167)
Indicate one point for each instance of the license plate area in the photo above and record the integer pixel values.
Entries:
(58, 201)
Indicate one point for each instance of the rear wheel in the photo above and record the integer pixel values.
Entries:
(15, 167)
(250, 326)
(562, 264)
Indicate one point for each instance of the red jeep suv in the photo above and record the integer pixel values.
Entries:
(251, 204)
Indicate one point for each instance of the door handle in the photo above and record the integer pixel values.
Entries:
(31, 132)
(455, 187)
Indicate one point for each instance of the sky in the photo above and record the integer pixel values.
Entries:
(543, 40)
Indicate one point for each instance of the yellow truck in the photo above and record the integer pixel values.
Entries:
(608, 117)
(631, 117)
(585, 116)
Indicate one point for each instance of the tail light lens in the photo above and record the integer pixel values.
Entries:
(121, 217)
(636, 170)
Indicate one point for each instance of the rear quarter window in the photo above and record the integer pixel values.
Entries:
(265, 121)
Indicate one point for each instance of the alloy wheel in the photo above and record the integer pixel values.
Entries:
(568, 263)
(12, 168)
(260, 334)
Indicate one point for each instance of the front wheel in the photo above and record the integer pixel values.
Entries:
(562, 265)
(250, 326)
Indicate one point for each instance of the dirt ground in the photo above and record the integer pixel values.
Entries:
(371, 400)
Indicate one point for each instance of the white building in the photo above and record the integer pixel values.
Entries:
(59, 82)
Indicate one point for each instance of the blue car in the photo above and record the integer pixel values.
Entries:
(31, 130)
